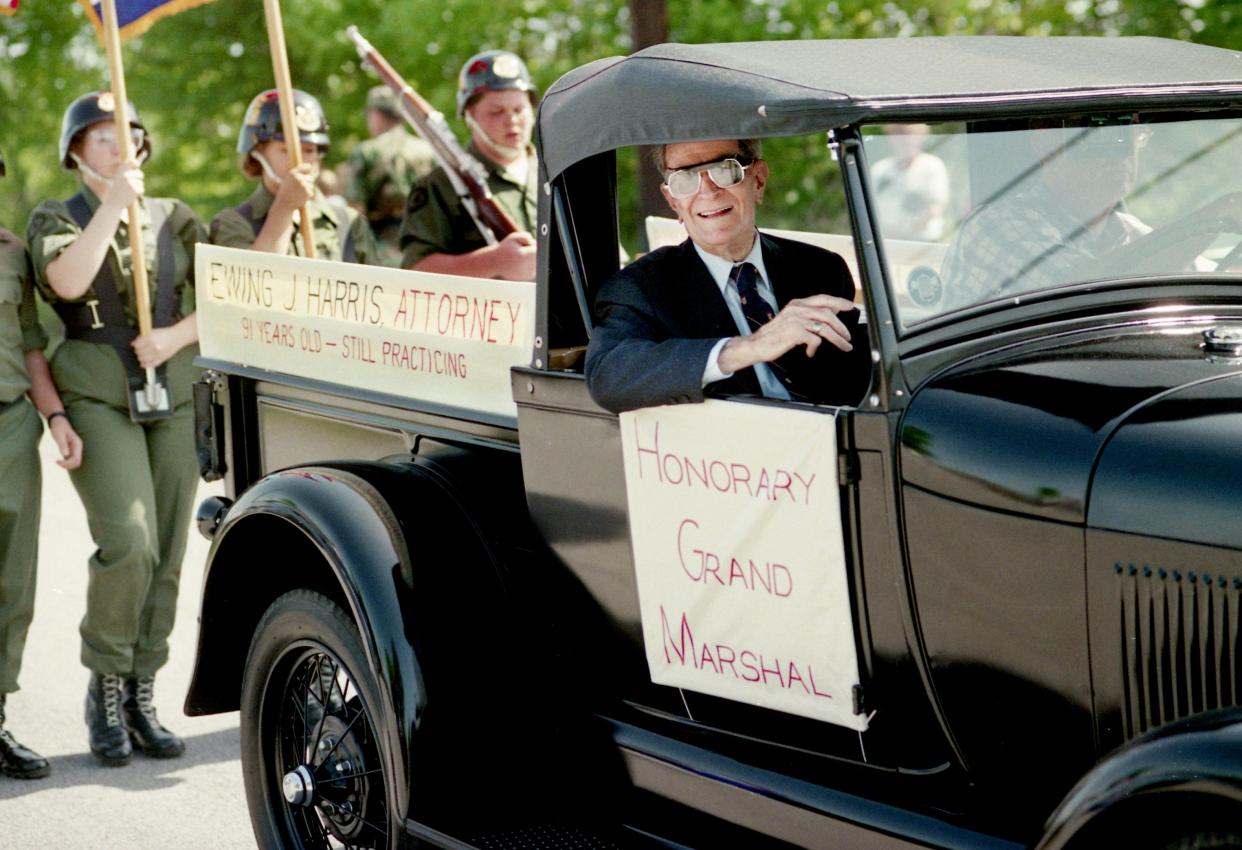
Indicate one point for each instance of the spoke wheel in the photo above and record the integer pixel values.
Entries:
(315, 773)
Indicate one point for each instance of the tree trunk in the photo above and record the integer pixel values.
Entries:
(648, 26)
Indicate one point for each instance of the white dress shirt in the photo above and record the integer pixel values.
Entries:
(720, 270)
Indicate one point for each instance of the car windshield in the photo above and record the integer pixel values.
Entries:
(980, 213)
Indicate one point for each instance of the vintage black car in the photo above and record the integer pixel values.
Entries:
(430, 618)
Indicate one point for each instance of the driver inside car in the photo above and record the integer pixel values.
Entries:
(1070, 224)
(1072, 213)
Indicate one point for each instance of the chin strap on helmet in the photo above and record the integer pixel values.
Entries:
(95, 175)
(507, 151)
(267, 168)
(90, 172)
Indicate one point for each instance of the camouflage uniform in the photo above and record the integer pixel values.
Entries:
(334, 226)
(436, 221)
(138, 479)
(382, 171)
(20, 430)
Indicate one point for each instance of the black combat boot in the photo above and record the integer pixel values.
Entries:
(144, 727)
(109, 740)
(16, 760)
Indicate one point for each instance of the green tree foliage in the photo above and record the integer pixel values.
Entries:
(192, 75)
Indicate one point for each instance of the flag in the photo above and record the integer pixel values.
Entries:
(8, 7)
(133, 17)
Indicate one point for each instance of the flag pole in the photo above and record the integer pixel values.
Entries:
(155, 396)
(288, 115)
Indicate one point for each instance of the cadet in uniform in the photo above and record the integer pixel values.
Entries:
(268, 219)
(496, 98)
(23, 370)
(137, 479)
(382, 170)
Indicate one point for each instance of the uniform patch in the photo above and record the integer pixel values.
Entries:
(418, 199)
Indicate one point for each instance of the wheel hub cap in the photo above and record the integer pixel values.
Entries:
(299, 786)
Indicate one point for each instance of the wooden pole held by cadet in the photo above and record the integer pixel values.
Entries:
(153, 402)
(288, 114)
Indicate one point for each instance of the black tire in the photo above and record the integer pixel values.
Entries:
(308, 713)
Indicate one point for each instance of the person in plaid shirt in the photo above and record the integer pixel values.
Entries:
(1054, 228)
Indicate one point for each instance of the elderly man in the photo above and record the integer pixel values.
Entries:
(729, 311)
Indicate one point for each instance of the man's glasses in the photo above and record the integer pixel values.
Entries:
(684, 182)
(107, 137)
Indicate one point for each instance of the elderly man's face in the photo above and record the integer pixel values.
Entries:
(721, 221)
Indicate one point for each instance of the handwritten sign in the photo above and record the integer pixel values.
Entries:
(736, 528)
(439, 338)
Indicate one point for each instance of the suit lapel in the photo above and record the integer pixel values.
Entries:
(780, 277)
(703, 308)
(785, 281)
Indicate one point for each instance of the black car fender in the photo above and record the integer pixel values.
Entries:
(1181, 779)
(395, 546)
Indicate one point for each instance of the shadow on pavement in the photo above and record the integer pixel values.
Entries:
(141, 774)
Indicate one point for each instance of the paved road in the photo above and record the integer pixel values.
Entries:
(189, 803)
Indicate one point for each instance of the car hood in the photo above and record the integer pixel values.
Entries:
(1172, 468)
(1022, 429)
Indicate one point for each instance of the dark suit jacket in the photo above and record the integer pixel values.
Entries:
(660, 316)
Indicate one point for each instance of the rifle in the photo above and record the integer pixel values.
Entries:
(464, 171)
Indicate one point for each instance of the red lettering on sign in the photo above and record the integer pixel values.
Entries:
(514, 311)
(733, 478)
(721, 659)
(701, 565)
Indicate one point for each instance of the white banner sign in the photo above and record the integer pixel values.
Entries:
(736, 527)
(437, 338)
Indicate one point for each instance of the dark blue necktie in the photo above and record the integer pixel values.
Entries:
(756, 310)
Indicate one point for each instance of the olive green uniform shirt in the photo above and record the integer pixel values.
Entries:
(382, 171)
(20, 331)
(92, 369)
(21, 478)
(436, 221)
(331, 224)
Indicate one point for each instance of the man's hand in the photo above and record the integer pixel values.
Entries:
(68, 443)
(514, 256)
(804, 321)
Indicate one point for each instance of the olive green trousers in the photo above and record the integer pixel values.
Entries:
(21, 486)
(137, 483)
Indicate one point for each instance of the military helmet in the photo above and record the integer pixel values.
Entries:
(384, 99)
(91, 109)
(492, 70)
(262, 121)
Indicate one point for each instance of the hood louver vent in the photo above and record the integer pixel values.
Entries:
(1181, 646)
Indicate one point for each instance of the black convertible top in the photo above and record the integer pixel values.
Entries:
(681, 92)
